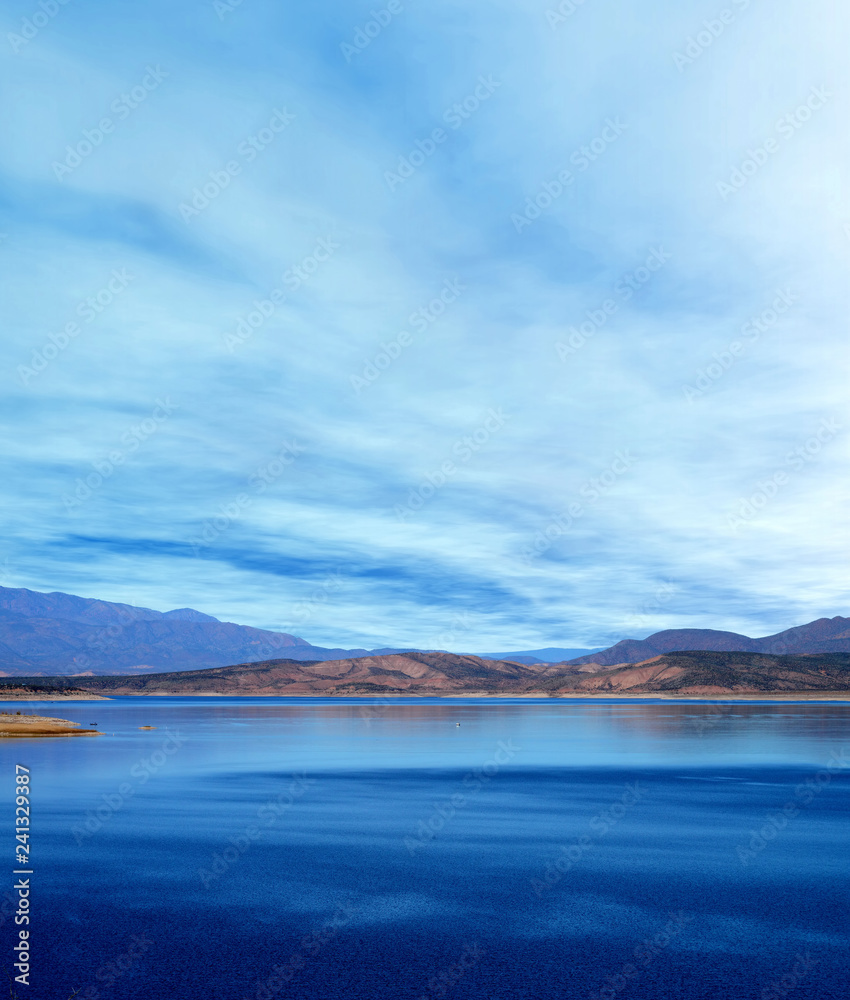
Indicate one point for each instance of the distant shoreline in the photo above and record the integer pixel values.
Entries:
(59, 696)
(778, 696)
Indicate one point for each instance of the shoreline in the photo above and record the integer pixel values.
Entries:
(29, 696)
(840, 697)
(29, 726)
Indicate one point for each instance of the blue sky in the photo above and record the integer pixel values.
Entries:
(276, 349)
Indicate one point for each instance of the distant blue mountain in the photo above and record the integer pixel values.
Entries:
(551, 654)
(62, 634)
(826, 635)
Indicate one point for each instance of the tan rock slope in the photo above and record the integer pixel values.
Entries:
(678, 674)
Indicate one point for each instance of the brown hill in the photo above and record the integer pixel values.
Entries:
(710, 673)
(683, 674)
(395, 673)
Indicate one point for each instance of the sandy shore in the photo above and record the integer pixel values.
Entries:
(18, 694)
(41, 725)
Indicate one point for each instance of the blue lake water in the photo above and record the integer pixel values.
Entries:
(318, 848)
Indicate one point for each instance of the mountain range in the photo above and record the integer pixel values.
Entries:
(61, 634)
(826, 635)
(48, 634)
(697, 674)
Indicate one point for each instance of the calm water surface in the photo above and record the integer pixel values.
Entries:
(315, 848)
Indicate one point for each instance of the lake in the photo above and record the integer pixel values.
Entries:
(437, 848)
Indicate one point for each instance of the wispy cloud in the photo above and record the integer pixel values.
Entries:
(596, 135)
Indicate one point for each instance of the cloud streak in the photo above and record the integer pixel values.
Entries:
(557, 180)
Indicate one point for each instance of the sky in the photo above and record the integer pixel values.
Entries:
(469, 326)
